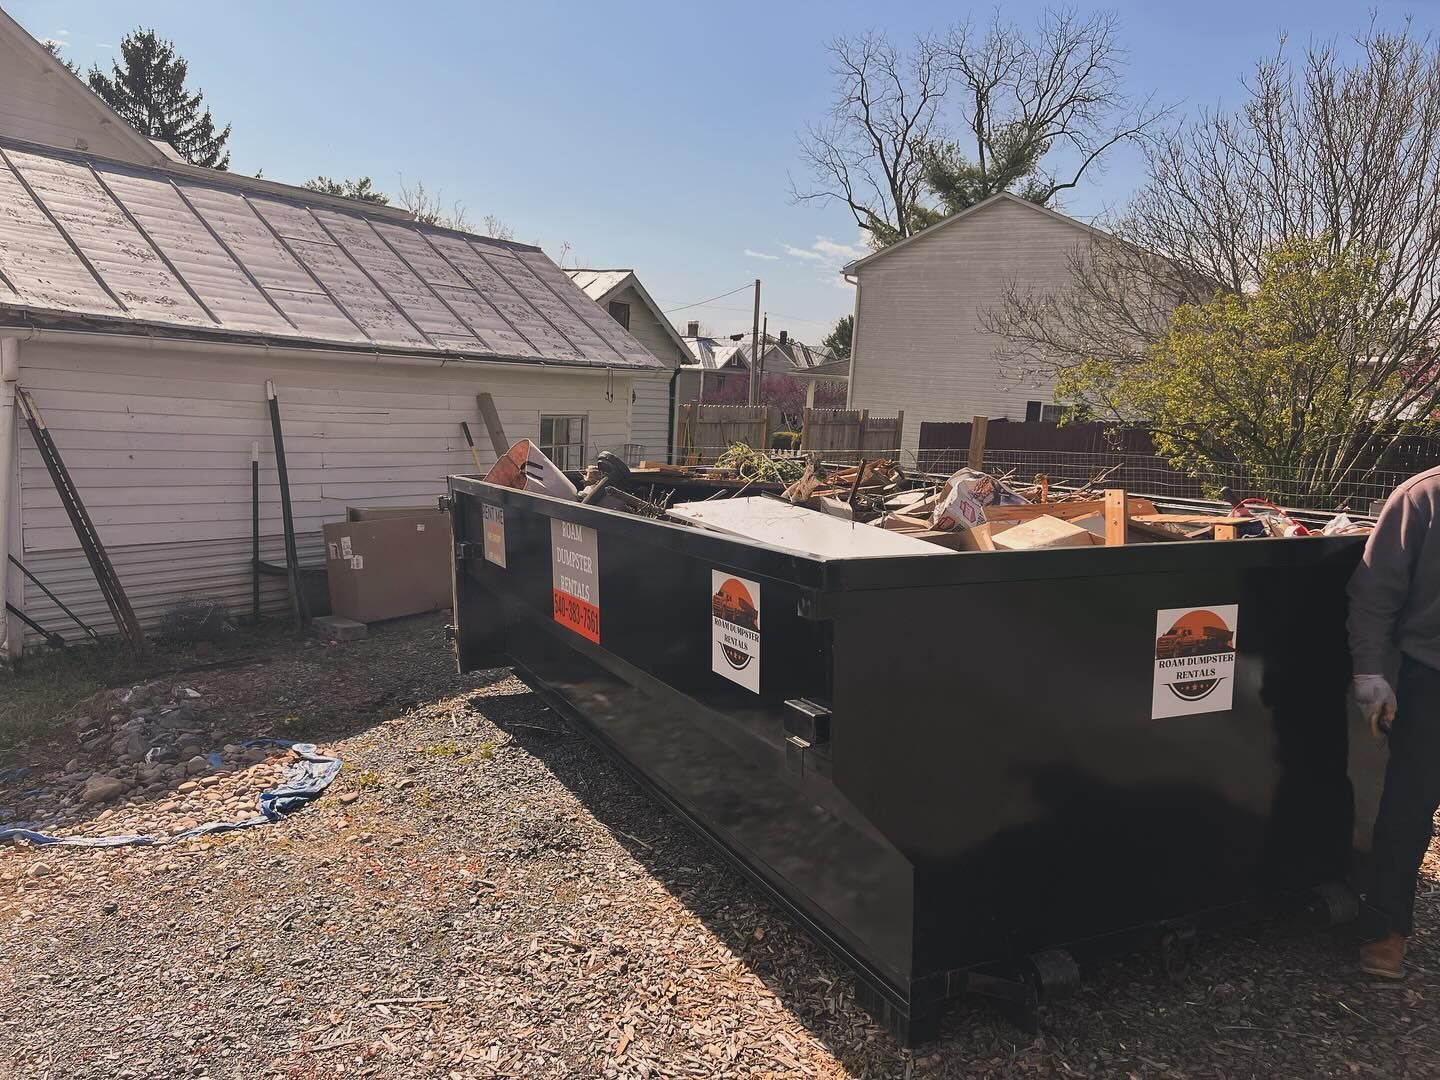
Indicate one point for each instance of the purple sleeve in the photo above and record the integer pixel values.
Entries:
(1380, 585)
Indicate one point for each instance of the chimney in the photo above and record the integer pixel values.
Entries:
(784, 337)
(692, 329)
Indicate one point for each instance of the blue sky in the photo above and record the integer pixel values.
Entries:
(659, 136)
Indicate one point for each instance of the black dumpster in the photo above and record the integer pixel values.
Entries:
(959, 773)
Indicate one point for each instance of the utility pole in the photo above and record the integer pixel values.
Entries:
(760, 359)
(755, 349)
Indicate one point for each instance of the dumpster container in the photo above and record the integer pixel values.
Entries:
(959, 773)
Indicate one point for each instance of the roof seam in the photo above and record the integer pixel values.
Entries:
(64, 234)
(370, 277)
(544, 318)
(305, 267)
(573, 309)
(155, 247)
(225, 247)
(475, 333)
(479, 291)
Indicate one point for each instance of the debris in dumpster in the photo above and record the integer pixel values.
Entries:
(1045, 532)
(752, 464)
(780, 524)
(525, 466)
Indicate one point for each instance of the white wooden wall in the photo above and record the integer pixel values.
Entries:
(42, 104)
(651, 413)
(158, 444)
(919, 343)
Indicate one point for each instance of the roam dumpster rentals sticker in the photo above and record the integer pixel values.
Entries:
(494, 526)
(576, 578)
(735, 629)
(1194, 660)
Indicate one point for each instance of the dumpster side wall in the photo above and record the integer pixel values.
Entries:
(1020, 744)
(653, 691)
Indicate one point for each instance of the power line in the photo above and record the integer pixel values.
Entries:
(697, 303)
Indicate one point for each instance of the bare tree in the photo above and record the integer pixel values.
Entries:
(1341, 154)
(1039, 110)
(868, 154)
(429, 207)
(916, 134)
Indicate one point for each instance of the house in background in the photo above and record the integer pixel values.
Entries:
(144, 303)
(626, 301)
(919, 342)
(715, 361)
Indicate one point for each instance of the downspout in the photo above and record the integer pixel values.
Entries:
(674, 412)
(10, 636)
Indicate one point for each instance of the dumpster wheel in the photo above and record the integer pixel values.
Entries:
(1333, 903)
(1178, 947)
(1056, 973)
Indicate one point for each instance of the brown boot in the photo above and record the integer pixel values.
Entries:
(1385, 958)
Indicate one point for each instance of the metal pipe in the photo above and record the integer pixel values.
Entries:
(9, 376)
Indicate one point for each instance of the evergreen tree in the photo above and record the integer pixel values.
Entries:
(54, 48)
(838, 340)
(361, 190)
(149, 93)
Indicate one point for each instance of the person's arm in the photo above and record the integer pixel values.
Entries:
(1378, 591)
(1381, 583)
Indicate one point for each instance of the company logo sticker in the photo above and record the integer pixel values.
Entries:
(1194, 660)
(735, 629)
(576, 578)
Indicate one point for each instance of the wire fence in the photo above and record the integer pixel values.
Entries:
(1153, 475)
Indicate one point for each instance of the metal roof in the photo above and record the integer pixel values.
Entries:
(164, 250)
(597, 283)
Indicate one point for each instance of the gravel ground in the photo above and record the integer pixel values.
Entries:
(482, 894)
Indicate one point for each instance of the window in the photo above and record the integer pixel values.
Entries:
(1049, 414)
(620, 313)
(562, 438)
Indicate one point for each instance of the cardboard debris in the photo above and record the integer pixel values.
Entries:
(1046, 532)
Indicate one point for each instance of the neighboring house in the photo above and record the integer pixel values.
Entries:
(622, 296)
(42, 101)
(145, 306)
(711, 364)
(919, 342)
(713, 361)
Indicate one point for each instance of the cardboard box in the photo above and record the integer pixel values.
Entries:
(385, 567)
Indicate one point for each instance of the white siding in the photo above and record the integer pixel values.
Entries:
(650, 415)
(651, 411)
(919, 344)
(41, 103)
(158, 444)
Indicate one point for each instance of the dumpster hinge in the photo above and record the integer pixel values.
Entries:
(795, 750)
(468, 549)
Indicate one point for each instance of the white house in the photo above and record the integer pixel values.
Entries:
(144, 303)
(920, 344)
(626, 300)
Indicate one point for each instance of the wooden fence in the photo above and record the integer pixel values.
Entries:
(706, 430)
(841, 433)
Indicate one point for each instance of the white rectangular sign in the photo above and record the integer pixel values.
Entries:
(735, 629)
(494, 529)
(1194, 660)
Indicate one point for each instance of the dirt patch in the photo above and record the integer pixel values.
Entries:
(481, 894)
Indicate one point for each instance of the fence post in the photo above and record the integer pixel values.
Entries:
(978, 426)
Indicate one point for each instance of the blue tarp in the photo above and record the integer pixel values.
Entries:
(304, 780)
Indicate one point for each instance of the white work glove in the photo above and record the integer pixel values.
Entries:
(1377, 701)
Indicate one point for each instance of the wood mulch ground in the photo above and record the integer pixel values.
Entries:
(481, 894)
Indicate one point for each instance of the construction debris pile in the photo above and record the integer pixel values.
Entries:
(785, 501)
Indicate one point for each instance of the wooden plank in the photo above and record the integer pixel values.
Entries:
(491, 416)
(1191, 519)
(978, 427)
(1064, 510)
(1115, 517)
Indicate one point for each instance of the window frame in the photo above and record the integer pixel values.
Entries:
(624, 306)
(568, 453)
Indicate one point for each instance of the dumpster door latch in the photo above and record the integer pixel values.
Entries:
(467, 550)
(808, 720)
